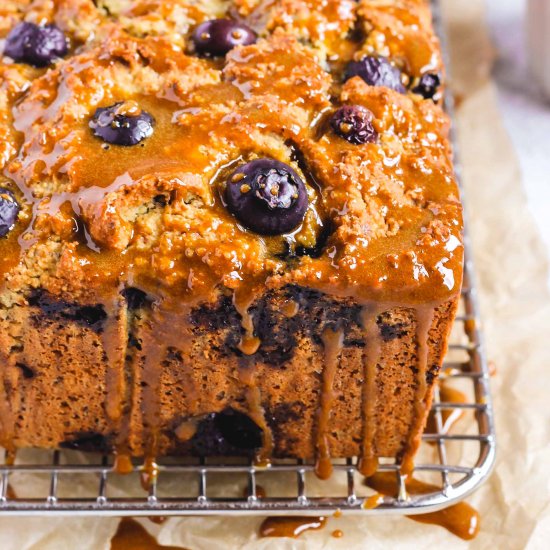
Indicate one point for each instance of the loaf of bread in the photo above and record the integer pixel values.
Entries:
(227, 227)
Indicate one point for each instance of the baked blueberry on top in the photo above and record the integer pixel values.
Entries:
(217, 36)
(123, 123)
(376, 71)
(267, 196)
(354, 124)
(428, 85)
(8, 211)
(36, 45)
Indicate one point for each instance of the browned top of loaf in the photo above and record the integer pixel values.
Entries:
(90, 221)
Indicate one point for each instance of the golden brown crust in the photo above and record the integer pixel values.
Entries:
(390, 191)
(382, 231)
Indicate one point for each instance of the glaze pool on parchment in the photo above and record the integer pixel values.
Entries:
(460, 519)
(131, 535)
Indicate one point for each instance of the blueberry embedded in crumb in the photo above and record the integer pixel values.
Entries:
(123, 123)
(90, 315)
(36, 45)
(87, 441)
(391, 332)
(239, 430)
(376, 71)
(267, 196)
(218, 36)
(9, 209)
(428, 85)
(54, 309)
(392, 328)
(228, 432)
(26, 371)
(354, 124)
(136, 298)
(208, 441)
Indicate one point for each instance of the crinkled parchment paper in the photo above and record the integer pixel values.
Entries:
(511, 267)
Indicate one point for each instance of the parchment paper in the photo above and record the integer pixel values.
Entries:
(512, 272)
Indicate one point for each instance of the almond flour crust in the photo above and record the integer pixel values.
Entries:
(133, 306)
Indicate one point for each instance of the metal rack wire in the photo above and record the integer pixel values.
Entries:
(456, 462)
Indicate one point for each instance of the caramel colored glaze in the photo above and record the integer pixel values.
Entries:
(98, 219)
(424, 318)
(131, 535)
(449, 417)
(249, 343)
(186, 430)
(292, 526)
(149, 472)
(53, 147)
(114, 343)
(332, 341)
(337, 534)
(373, 501)
(10, 493)
(291, 308)
(460, 519)
(6, 418)
(159, 520)
(368, 462)
(123, 464)
(243, 300)
(163, 327)
(260, 492)
(394, 28)
(10, 456)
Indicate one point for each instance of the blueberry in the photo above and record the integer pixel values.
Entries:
(267, 196)
(228, 433)
(354, 124)
(428, 85)
(123, 123)
(376, 71)
(217, 36)
(238, 429)
(87, 441)
(136, 298)
(36, 45)
(8, 211)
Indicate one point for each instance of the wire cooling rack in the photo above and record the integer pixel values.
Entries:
(455, 461)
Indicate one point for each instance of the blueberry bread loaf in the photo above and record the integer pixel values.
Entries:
(227, 227)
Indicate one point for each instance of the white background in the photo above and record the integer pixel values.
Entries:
(526, 114)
